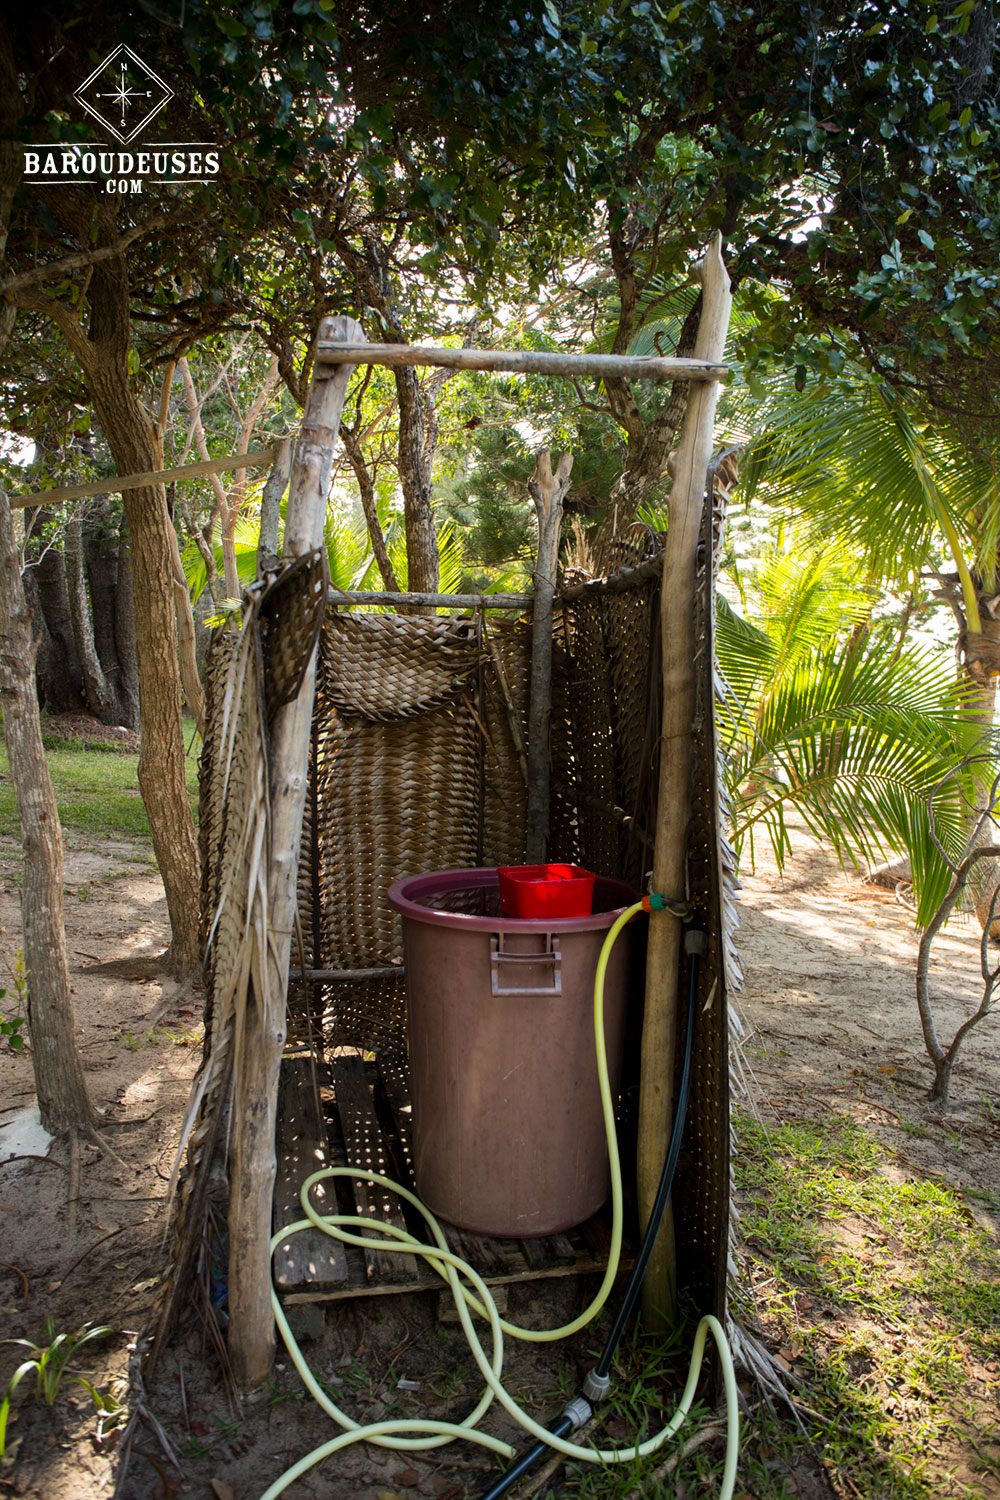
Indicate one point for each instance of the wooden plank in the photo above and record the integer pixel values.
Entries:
(310, 1258)
(548, 1250)
(485, 1255)
(365, 1148)
(520, 361)
(118, 482)
(585, 1263)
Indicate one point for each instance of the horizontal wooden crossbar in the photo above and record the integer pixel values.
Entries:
(118, 482)
(438, 601)
(519, 361)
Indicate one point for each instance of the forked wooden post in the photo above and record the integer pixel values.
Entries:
(547, 491)
(677, 610)
(251, 1328)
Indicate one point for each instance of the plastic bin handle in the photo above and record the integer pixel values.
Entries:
(550, 958)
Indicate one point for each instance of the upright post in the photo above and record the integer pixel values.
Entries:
(677, 614)
(547, 490)
(251, 1328)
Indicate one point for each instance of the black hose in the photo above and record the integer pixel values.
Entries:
(695, 943)
(527, 1461)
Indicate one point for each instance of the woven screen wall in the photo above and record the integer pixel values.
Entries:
(606, 698)
(414, 768)
(606, 711)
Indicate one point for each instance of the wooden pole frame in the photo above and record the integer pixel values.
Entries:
(339, 349)
(677, 612)
(253, 1169)
(115, 483)
(523, 362)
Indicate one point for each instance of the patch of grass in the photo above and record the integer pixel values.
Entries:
(97, 793)
(884, 1298)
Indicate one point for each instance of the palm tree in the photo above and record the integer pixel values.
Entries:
(915, 500)
(836, 718)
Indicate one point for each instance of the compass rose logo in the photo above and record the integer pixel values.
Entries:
(123, 94)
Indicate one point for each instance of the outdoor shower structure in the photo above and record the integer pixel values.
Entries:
(346, 750)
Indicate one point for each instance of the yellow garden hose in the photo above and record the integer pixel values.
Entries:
(420, 1433)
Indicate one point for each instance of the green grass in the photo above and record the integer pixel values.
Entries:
(883, 1294)
(97, 792)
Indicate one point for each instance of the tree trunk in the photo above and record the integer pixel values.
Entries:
(547, 491)
(105, 581)
(161, 758)
(59, 1082)
(60, 681)
(99, 697)
(677, 612)
(128, 687)
(369, 504)
(270, 506)
(422, 563)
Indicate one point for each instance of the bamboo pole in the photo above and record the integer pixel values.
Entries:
(677, 612)
(523, 362)
(440, 601)
(547, 491)
(251, 1329)
(118, 482)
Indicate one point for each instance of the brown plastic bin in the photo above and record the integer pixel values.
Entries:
(508, 1133)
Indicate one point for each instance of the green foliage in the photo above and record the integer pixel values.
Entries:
(50, 1360)
(855, 461)
(97, 794)
(10, 1029)
(883, 1291)
(853, 730)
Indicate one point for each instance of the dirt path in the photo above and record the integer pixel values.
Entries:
(831, 1017)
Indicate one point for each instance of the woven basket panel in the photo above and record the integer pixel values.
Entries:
(224, 810)
(398, 799)
(403, 781)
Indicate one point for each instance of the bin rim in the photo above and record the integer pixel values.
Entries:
(403, 892)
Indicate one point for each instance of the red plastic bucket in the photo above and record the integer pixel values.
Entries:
(546, 891)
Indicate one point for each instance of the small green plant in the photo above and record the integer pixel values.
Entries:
(131, 1043)
(10, 1029)
(50, 1360)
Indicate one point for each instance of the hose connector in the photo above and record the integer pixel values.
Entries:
(596, 1387)
(578, 1411)
(695, 941)
(655, 901)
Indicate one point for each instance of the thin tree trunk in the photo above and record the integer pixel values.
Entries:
(369, 505)
(677, 613)
(101, 551)
(270, 505)
(547, 491)
(125, 635)
(59, 1082)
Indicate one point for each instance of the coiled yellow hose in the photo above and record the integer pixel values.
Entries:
(418, 1433)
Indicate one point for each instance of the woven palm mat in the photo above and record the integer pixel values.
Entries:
(412, 768)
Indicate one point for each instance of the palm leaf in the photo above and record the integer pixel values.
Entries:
(856, 737)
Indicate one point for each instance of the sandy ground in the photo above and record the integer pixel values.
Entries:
(831, 1026)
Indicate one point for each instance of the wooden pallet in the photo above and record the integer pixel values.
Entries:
(352, 1112)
